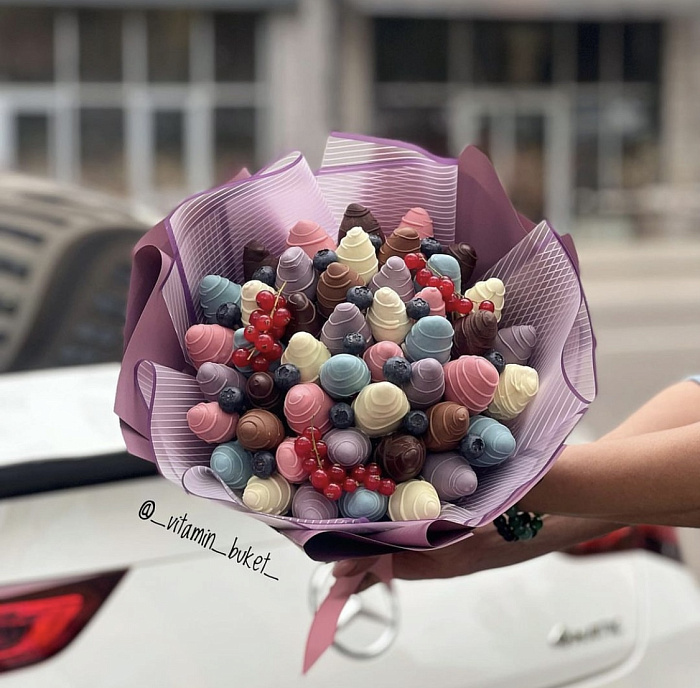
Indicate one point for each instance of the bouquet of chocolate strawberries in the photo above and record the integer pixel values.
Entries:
(382, 354)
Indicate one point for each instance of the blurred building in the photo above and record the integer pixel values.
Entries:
(588, 110)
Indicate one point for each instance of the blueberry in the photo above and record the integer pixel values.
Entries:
(376, 241)
(266, 274)
(397, 369)
(263, 464)
(342, 416)
(324, 258)
(362, 297)
(415, 423)
(286, 376)
(232, 400)
(354, 343)
(228, 315)
(417, 308)
(471, 447)
(496, 360)
(429, 247)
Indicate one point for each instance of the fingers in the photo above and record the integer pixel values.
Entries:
(367, 582)
(352, 567)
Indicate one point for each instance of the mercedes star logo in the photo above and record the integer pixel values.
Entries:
(368, 624)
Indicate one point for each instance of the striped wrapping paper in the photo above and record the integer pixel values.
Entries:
(206, 234)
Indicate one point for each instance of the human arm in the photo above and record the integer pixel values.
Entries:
(647, 470)
(674, 407)
(646, 478)
(485, 550)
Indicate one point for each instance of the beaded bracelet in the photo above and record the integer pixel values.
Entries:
(517, 525)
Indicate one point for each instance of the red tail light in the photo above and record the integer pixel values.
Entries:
(36, 626)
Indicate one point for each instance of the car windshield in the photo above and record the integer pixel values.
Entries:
(65, 262)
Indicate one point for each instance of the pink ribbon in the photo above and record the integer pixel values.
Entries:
(325, 623)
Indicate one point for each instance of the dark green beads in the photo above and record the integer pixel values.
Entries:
(517, 525)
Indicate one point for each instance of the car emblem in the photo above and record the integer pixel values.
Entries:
(369, 622)
(562, 635)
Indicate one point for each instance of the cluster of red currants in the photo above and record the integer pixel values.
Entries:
(425, 277)
(267, 326)
(333, 479)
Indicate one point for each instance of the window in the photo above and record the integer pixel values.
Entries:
(152, 104)
(169, 168)
(168, 45)
(411, 50)
(102, 148)
(642, 52)
(26, 45)
(234, 141)
(588, 51)
(519, 53)
(506, 85)
(32, 144)
(234, 46)
(100, 45)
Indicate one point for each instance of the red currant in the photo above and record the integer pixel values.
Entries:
(423, 277)
(250, 334)
(255, 315)
(464, 306)
(434, 281)
(277, 332)
(240, 357)
(312, 433)
(333, 492)
(446, 287)
(304, 448)
(319, 479)
(264, 343)
(281, 302)
(414, 261)
(387, 487)
(337, 473)
(487, 306)
(451, 303)
(373, 469)
(275, 353)
(264, 323)
(281, 317)
(359, 473)
(259, 363)
(321, 449)
(309, 465)
(372, 482)
(266, 300)
(349, 484)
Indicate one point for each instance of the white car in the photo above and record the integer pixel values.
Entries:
(111, 576)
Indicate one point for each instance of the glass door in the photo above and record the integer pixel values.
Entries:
(527, 134)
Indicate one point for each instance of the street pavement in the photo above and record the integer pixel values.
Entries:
(644, 300)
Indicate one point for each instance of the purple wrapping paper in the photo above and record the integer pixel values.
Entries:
(206, 234)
